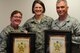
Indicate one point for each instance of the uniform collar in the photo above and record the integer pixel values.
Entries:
(67, 20)
(33, 20)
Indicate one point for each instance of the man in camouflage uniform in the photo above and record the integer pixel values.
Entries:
(66, 22)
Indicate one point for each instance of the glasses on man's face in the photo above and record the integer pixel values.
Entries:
(17, 16)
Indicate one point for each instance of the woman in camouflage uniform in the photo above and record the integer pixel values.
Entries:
(15, 18)
(38, 23)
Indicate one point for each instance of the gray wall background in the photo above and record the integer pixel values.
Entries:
(25, 6)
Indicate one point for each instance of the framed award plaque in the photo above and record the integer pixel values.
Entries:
(21, 43)
(57, 41)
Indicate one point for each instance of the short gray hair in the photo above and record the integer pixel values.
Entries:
(61, 0)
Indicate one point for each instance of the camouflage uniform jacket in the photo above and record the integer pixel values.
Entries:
(38, 27)
(4, 34)
(70, 24)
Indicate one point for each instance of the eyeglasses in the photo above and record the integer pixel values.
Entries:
(17, 16)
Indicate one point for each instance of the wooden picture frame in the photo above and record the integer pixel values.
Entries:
(21, 43)
(57, 41)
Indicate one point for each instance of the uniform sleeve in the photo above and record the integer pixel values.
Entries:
(3, 44)
(76, 32)
(76, 26)
(3, 37)
(50, 22)
(26, 26)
